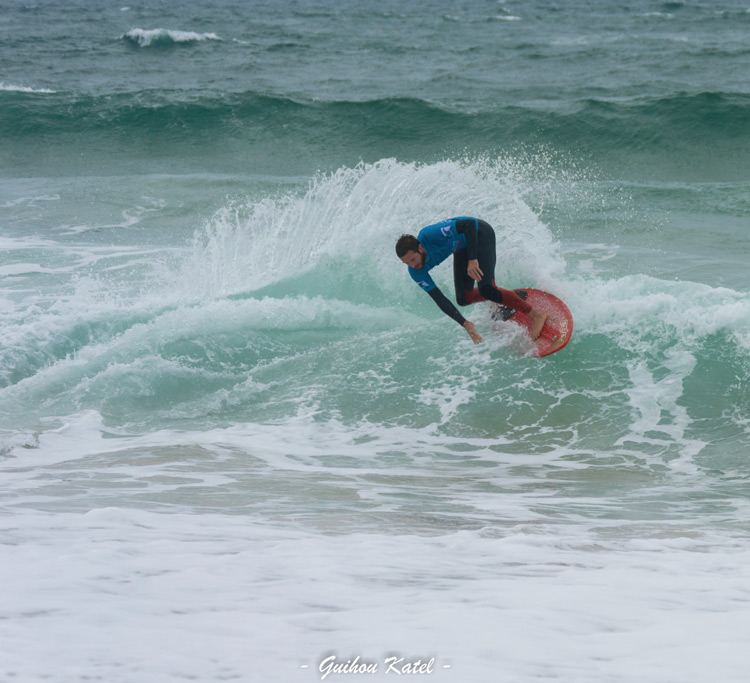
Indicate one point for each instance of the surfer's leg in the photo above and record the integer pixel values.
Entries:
(510, 299)
(506, 297)
(487, 290)
(487, 257)
(465, 292)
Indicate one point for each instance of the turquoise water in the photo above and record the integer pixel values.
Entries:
(235, 439)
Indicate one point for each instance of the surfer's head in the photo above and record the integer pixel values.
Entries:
(410, 251)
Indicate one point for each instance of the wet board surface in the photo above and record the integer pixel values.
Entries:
(558, 327)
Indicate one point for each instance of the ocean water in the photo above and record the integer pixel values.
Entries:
(236, 441)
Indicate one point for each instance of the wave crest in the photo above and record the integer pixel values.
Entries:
(162, 37)
(9, 87)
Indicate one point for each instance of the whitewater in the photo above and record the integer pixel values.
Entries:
(238, 443)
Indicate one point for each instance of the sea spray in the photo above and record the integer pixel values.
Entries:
(353, 215)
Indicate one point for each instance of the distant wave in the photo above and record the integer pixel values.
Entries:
(687, 123)
(504, 17)
(162, 37)
(8, 87)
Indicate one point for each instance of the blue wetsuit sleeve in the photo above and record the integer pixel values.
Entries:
(423, 279)
(446, 306)
(469, 227)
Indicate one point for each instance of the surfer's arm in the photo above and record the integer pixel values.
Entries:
(450, 310)
(446, 306)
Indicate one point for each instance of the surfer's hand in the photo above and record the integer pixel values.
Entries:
(471, 328)
(474, 271)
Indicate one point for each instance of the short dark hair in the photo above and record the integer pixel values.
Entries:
(405, 244)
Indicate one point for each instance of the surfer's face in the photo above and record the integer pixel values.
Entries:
(415, 259)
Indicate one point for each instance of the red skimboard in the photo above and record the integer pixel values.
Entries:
(558, 327)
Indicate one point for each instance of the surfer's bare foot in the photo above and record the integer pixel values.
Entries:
(538, 319)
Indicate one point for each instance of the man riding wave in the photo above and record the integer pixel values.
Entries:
(471, 241)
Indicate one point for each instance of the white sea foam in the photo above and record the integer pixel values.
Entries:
(9, 87)
(163, 36)
(167, 597)
(447, 398)
(151, 580)
(30, 201)
(690, 311)
(22, 269)
(133, 356)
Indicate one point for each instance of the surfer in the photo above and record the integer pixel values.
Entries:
(472, 243)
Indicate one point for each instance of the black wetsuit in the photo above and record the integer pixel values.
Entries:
(467, 239)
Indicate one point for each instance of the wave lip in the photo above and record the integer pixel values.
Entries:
(163, 37)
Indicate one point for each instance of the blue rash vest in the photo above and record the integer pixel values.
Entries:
(440, 241)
